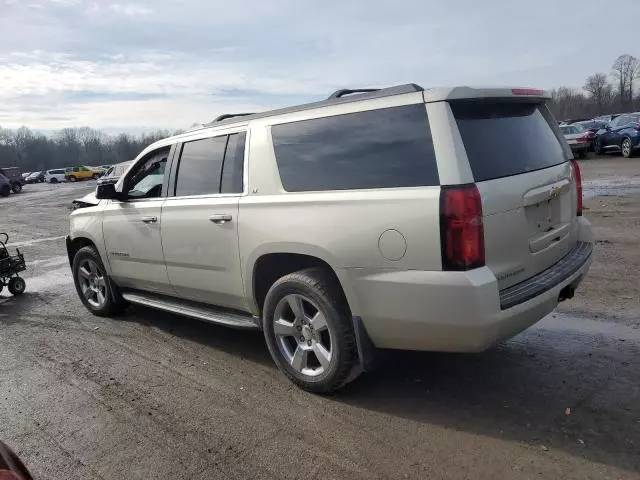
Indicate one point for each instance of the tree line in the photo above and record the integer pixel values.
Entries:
(602, 93)
(34, 151)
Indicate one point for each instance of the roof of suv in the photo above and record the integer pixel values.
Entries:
(357, 95)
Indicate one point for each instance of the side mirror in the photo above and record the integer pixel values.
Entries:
(107, 191)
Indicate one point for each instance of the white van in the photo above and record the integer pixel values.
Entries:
(54, 176)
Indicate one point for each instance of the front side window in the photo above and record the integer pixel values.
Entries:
(383, 148)
(147, 180)
(200, 166)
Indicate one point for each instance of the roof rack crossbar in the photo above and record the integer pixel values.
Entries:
(231, 115)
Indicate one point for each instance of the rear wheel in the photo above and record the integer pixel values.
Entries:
(597, 147)
(53, 180)
(96, 290)
(16, 187)
(17, 286)
(72, 178)
(627, 150)
(308, 329)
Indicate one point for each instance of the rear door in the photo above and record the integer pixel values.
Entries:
(526, 183)
(200, 221)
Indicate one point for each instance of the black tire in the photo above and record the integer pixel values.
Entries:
(316, 285)
(114, 303)
(16, 187)
(597, 147)
(626, 148)
(95, 176)
(5, 190)
(53, 180)
(17, 286)
(72, 178)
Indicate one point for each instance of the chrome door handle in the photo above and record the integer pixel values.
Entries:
(220, 219)
(149, 219)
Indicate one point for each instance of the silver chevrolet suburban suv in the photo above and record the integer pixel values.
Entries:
(446, 219)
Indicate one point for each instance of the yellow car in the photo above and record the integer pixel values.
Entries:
(73, 174)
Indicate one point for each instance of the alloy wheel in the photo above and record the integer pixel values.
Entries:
(303, 335)
(626, 147)
(92, 283)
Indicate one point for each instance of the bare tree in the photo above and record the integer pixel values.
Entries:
(600, 90)
(626, 69)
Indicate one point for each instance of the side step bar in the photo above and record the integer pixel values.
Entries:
(205, 313)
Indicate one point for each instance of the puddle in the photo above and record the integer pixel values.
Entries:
(618, 187)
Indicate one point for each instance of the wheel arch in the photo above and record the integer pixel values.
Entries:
(81, 240)
(271, 262)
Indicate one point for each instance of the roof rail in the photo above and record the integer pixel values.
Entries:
(231, 115)
(348, 91)
(398, 89)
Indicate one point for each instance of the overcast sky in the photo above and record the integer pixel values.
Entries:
(151, 64)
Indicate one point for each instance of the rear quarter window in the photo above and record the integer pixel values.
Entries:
(384, 148)
(506, 138)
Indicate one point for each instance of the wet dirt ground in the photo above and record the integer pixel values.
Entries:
(150, 395)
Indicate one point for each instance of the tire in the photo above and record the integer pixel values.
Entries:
(5, 190)
(626, 148)
(597, 147)
(71, 178)
(99, 294)
(16, 187)
(17, 286)
(53, 180)
(95, 176)
(293, 341)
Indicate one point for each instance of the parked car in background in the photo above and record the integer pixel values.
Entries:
(577, 139)
(25, 175)
(607, 118)
(621, 135)
(36, 177)
(448, 219)
(14, 176)
(54, 176)
(73, 174)
(5, 186)
(114, 173)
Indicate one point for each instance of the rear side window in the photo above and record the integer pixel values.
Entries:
(200, 166)
(504, 139)
(384, 148)
(233, 168)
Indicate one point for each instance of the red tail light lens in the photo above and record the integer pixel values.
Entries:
(527, 91)
(582, 139)
(461, 229)
(578, 179)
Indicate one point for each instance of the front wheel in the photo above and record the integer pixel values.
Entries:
(71, 178)
(308, 329)
(53, 180)
(17, 286)
(627, 150)
(16, 187)
(96, 290)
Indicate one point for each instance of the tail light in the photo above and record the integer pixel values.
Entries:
(461, 230)
(582, 139)
(578, 178)
(637, 127)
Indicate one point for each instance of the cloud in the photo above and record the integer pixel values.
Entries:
(130, 9)
(169, 64)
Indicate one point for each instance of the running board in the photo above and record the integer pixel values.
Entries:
(198, 311)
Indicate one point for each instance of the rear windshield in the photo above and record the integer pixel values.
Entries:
(504, 139)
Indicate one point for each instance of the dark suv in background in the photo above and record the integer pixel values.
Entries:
(621, 135)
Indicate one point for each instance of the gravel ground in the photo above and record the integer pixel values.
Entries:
(151, 395)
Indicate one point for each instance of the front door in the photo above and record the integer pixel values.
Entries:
(132, 228)
(200, 221)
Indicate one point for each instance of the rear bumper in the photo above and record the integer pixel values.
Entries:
(457, 311)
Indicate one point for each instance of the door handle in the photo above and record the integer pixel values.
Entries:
(149, 219)
(220, 219)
